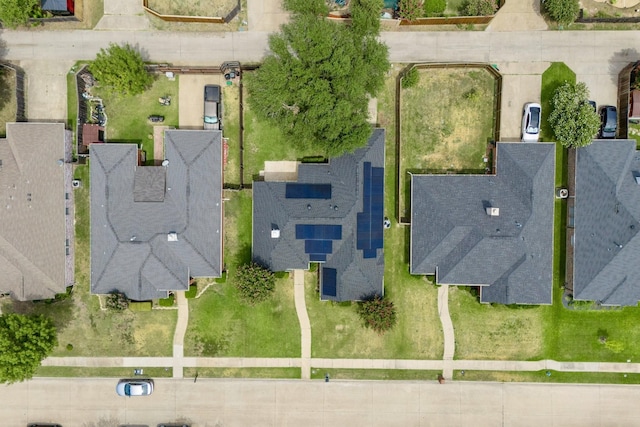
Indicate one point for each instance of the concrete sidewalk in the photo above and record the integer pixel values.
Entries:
(518, 15)
(305, 325)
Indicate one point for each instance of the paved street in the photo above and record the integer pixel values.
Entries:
(94, 403)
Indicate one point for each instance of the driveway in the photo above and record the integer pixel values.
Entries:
(46, 89)
(191, 98)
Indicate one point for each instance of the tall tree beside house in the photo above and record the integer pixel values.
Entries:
(25, 340)
(572, 119)
(121, 70)
(316, 83)
(16, 12)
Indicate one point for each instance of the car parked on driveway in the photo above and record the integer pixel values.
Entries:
(212, 103)
(135, 387)
(608, 121)
(531, 122)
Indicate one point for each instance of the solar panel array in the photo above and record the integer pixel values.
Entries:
(318, 239)
(329, 286)
(296, 190)
(370, 220)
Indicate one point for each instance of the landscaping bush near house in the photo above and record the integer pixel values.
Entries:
(411, 78)
(434, 7)
(378, 314)
(167, 302)
(564, 12)
(410, 9)
(117, 302)
(140, 306)
(254, 283)
(479, 7)
(191, 293)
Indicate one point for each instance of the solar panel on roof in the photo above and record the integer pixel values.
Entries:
(317, 257)
(296, 190)
(318, 231)
(318, 246)
(329, 285)
(369, 234)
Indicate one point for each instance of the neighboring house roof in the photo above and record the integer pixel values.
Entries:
(36, 212)
(509, 254)
(606, 214)
(154, 227)
(332, 214)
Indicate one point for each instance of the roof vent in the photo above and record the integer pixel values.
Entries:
(172, 237)
(491, 211)
(275, 233)
(638, 179)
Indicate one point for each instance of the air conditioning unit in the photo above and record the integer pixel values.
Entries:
(562, 193)
(76, 183)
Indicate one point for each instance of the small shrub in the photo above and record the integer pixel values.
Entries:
(378, 314)
(140, 306)
(564, 12)
(409, 10)
(479, 7)
(254, 283)
(192, 292)
(167, 302)
(411, 78)
(434, 7)
(69, 347)
(117, 302)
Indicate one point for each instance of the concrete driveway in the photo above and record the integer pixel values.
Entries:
(191, 98)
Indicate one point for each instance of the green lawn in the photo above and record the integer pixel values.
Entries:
(127, 115)
(79, 319)
(285, 373)
(231, 113)
(542, 377)
(264, 141)
(8, 105)
(374, 374)
(221, 325)
(552, 78)
(65, 371)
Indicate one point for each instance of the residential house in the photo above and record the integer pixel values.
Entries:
(603, 223)
(490, 231)
(36, 212)
(330, 213)
(155, 227)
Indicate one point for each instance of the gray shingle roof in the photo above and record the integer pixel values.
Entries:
(606, 214)
(509, 255)
(132, 245)
(357, 276)
(35, 192)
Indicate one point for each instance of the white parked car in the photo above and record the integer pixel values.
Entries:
(135, 387)
(531, 122)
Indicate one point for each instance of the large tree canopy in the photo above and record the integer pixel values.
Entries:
(121, 69)
(316, 83)
(16, 12)
(572, 119)
(24, 342)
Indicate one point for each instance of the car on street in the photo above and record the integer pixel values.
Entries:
(608, 121)
(212, 107)
(134, 387)
(531, 122)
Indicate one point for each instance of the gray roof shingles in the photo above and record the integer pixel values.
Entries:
(357, 277)
(33, 230)
(130, 248)
(606, 223)
(509, 255)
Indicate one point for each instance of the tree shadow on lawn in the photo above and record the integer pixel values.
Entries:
(5, 92)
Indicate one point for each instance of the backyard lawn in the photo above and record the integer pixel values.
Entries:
(447, 119)
(127, 115)
(231, 115)
(220, 324)
(8, 104)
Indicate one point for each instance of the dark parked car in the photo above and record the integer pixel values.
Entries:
(212, 103)
(156, 118)
(608, 121)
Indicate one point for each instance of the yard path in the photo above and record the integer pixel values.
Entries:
(447, 330)
(177, 361)
(305, 325)
(518, 15)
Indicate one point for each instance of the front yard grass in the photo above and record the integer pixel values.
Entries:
(554, 377)
(447, 120)
(220, 324)
(8, 102)
(79, 319)
(285, 373)
(552, 78)
(127, 115)
(375, 374)
(84, 372)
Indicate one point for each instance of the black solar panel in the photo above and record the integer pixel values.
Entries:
(318, 232)
(329, 287)
(369, 231)
(318, 246)
(317, 257)
(307, 191)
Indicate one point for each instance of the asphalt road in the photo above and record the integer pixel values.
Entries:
(88, 402)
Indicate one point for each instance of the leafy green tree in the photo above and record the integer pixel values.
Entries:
(378, 314)
(16, 12)
(121, 69)
(434, 7)
(479, 7)
(316, 83)
(365, 16)
(572, 119)
(410, 9)
(24, 342)
(411, 78)
(564, 12)
(314, 7)
(254, 283)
